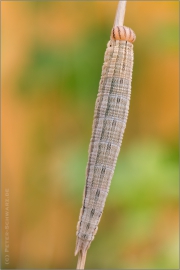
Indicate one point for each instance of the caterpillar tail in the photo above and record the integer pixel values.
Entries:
(81, 249)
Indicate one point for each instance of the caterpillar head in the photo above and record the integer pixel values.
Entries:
(123, 33)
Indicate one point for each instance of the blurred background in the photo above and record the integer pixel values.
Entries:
(52, 55)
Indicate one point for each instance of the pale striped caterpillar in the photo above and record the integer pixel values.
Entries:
(110, 117)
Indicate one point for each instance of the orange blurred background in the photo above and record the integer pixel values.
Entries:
(52, 55)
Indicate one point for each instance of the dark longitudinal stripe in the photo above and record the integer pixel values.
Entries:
(106, 114)
(108, 106)
(92, 212)
(113, 33)
(104, 124)
(98, 108)
(109, 146)
(119, 32)
(108, 103)
(101, 138)
(97, 192)
(103, 170)
(102, 134)
(124, 31)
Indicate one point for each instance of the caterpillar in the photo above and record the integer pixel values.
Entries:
(110, 117)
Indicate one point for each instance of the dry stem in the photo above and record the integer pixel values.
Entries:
(81, 260)
(120, 13)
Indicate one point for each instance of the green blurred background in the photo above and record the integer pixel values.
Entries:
(52, 55)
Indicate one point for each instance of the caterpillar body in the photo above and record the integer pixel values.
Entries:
(110, 117)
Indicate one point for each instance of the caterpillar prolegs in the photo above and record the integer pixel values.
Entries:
(110, 117)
